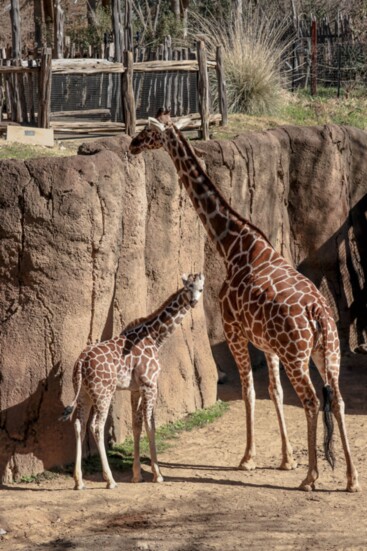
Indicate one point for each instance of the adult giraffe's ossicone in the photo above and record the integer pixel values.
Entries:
(263, 300)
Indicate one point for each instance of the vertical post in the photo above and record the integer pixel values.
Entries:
(203, 89)
(58, 49)
(128, 101)
(15, 28)
(339, 68)
(116, 27)
(38, 19)
(128, 29)
(222, 90)
(2, 93)
(44, 87)
(313, 57)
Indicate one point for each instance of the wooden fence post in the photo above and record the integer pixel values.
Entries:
(128, 101)
(222, 89)
(203, 89)
(313, 57)
(44, 88)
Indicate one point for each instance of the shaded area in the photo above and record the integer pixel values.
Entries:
(345, 287)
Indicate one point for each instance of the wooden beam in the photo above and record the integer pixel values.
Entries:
(85, 66)
(44, 89)
(128, 101)
(203, 89)
(171, 65)
(313, 57)
(222, 89)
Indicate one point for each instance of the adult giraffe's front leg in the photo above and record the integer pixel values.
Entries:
(238, 345)
(276, 394)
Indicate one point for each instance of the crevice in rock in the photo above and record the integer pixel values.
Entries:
(48, 196)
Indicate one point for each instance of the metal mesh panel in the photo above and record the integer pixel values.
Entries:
(174, 90)
(98, 94)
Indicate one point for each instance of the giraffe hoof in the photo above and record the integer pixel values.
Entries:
(353, 488)
(248, 465)
(111, 485)
(158, 478)
(288, 465)
(137, 479)
(79, 487)
(307, 486)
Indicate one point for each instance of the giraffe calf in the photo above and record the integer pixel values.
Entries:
(127, 362)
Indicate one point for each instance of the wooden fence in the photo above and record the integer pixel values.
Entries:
(27, 90)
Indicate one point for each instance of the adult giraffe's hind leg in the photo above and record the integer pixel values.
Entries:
(306, 392)
(276, 394)
(338, 409)
(238, 346)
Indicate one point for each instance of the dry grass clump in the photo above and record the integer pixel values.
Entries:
(254, 49)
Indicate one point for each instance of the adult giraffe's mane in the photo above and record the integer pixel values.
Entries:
(147, 319)
(190, 150)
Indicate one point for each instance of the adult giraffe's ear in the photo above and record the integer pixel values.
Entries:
(184, 279)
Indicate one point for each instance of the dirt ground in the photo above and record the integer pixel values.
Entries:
(205, 503)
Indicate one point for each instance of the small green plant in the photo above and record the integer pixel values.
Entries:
(38, 478)
(121, 456)
(166, 433)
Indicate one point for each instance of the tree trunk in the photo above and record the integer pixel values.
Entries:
(117, 30)
(58, 49)
(91, 12)
(15, 28)
(38, 18)
(176, 8)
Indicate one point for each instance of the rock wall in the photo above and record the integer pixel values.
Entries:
(91, 242)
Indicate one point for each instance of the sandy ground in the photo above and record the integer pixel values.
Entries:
(205, 503)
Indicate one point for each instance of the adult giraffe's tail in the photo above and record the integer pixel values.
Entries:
(69, 410)
(327, 393)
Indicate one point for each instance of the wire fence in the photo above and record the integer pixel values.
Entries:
(338, 65)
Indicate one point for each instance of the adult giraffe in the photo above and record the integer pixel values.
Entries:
(263, 300)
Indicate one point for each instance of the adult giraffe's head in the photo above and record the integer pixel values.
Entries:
(152, 136)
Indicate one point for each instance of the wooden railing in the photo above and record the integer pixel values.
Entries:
(19, 84)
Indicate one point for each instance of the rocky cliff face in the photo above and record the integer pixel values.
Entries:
(91, 242)
(88, 244)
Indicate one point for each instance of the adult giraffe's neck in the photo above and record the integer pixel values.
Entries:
(162, 322)
(221, 222)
